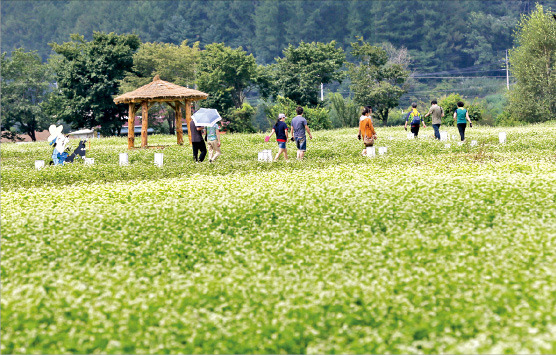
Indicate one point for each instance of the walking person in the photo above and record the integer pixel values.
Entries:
(213, 142)
(364, 116)
(281, 130)
(415, 118)
(197, 141)
(461, 117)
(437, 113)
(366, 130)
(299, 127)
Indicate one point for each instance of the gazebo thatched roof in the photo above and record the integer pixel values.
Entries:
(160, 91)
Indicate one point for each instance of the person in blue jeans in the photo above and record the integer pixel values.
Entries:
(299, 127)
(281, 130)
(437, 113)
(461, 116)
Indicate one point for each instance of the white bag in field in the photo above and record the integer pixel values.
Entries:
(410, 135)
(460, 143)
(473, 143)
(382, 150)
(89, 161)
(371, 152)
(502, 137)
(447, 145)
(265, 156)
(443, 136)
(124, 160)
(158, 159)
(39, 164)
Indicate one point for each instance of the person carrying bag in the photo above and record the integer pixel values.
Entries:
(366, 130)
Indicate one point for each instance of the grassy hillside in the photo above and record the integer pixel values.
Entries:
(427, 249)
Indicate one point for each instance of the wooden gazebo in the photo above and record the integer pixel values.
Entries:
(158, 91)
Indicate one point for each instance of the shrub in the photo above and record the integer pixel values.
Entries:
(343, 112)
(317, 118)
(241, 119)
(450, 104)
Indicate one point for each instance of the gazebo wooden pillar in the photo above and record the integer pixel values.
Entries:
(158, 91)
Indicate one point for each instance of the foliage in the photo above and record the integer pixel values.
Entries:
(88, 77)
(461, 262)
(301, 71)
(436, 38)
(533, 63)
(376, 81)
(226, 74)
(176, 64)
(343, 112)
(317, 117)
(450, 104)
(25, 85)
(241, 119)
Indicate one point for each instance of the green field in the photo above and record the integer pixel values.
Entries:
(425, 250)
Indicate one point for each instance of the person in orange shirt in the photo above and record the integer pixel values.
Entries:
(366, 130)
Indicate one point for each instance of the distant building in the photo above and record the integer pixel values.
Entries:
(83, 134)
(150, 130)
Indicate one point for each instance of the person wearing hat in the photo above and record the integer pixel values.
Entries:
(281, 130)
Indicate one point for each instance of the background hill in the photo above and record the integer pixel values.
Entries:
(440, 35)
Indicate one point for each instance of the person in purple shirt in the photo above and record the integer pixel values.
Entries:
(299, 127)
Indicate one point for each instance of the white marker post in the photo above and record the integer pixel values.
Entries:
(502, 137)
(371, 152)
(444, 136)
(124, 160)
(158, 159)
(265, 156)
(39, 164)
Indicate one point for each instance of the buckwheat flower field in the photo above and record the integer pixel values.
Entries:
(426, 249)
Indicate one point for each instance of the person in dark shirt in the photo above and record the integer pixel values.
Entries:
(281, 130)
(197, 142)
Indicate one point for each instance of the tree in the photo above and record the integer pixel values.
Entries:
(176, 64)
(25, 85)
(376, 81)
(89, 75)
(533, 64)
(301, 71)
(226, 74)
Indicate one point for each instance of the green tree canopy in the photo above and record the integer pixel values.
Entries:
(302, 69)
(89, 75)
(25, 85)
(375, 80)
(173, 63)
(533, 63)
(226, 74)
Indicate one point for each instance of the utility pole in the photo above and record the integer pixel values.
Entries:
(507, 72)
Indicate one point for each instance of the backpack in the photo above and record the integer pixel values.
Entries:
(415, 119)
